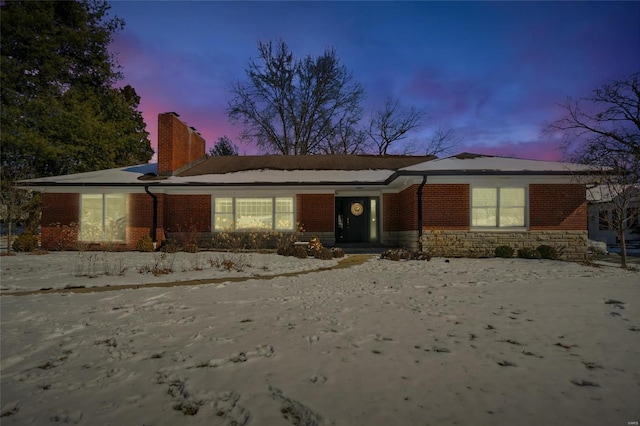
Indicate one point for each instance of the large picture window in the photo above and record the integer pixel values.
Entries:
(248, 214)
(498, 207)
(103, 217)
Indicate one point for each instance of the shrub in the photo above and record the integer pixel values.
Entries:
(323, 254)
(144, 244)
(547, 252)
(337, 252)
(315, 244)
(25, 242)
(528, 253)
(504, 251)
(190, 248)
(285, 251)
(300, 252)
(169, 247)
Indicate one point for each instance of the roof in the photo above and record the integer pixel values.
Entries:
(230, 164)
(467, 163)
(606, 193)
(311, 170)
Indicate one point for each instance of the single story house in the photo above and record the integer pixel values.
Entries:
(471, 202)
(605, 202)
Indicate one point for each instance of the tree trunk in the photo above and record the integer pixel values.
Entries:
(623, 250)
(9, 237)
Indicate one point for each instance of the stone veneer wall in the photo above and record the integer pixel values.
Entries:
(571, 244)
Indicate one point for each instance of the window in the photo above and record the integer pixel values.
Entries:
(223, 214)
(498, 207)
(103, 217)
(284, 214)
(254, 213)
(248, 214)
(603, 220)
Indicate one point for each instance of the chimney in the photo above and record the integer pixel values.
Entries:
(179, 145)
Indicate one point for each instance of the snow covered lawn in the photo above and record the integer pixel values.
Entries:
(25, 272)
(468, 341)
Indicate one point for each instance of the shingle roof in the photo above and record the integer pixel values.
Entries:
(230, 164)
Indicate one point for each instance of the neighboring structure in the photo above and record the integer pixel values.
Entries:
(604, 203)
(477, 201)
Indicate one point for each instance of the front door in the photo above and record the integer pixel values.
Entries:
(353, 218)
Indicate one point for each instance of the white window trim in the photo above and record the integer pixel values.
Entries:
(498, 228)
(273, 213)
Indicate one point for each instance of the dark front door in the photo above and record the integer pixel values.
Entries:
(352, 219)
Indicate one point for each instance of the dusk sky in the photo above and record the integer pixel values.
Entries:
(493, 71)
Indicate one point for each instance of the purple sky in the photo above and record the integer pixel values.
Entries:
(493, 71)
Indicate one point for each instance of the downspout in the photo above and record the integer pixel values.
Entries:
(420, 187)
(154, 222)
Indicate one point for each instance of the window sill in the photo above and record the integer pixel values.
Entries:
(499, 230)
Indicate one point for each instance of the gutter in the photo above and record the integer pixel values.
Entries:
(154, 219)
(420, 187)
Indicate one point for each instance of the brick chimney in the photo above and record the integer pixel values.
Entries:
(178, 144)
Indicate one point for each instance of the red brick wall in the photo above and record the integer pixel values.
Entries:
(183, 213)
(59, 221)
(557, 207)
(178, 144)
(390, 212)
(446, 206)
(315, 212)
(408, 209)
(140, 218)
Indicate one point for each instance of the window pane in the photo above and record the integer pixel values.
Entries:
(484, 216)
(284, 205)
(91, 217)
(284, 214)
(485, 197)
(373, 221)
(254, 213)
(485, 203)
(115, 223)
(224, 205)
(512, 197)
(223, 214)
(511, 216)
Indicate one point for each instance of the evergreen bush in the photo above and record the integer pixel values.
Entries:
(528, 253)
(504, 251)
(25, 242)
(547, 252)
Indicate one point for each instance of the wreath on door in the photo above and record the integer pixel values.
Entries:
(357, 209)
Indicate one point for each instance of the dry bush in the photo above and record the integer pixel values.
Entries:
(144, 244)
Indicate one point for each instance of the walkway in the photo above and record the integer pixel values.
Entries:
(347, 262)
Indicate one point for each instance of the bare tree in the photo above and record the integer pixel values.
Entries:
(604, 130)
(16, 204)
(346, 139)
(443, 141)
(392, 123)
(294, 107)
(618, 208)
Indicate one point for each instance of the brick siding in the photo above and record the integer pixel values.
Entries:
(59, 221)
(140, 218)
(557, 207)
(187, 213)
(178, 144)
(445, 206)
(315, 212)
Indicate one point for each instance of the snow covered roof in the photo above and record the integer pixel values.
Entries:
(230, 164)
(606, 193)
(310, 170)
(466, 163)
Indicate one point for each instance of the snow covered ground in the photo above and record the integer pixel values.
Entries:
(464, 341)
